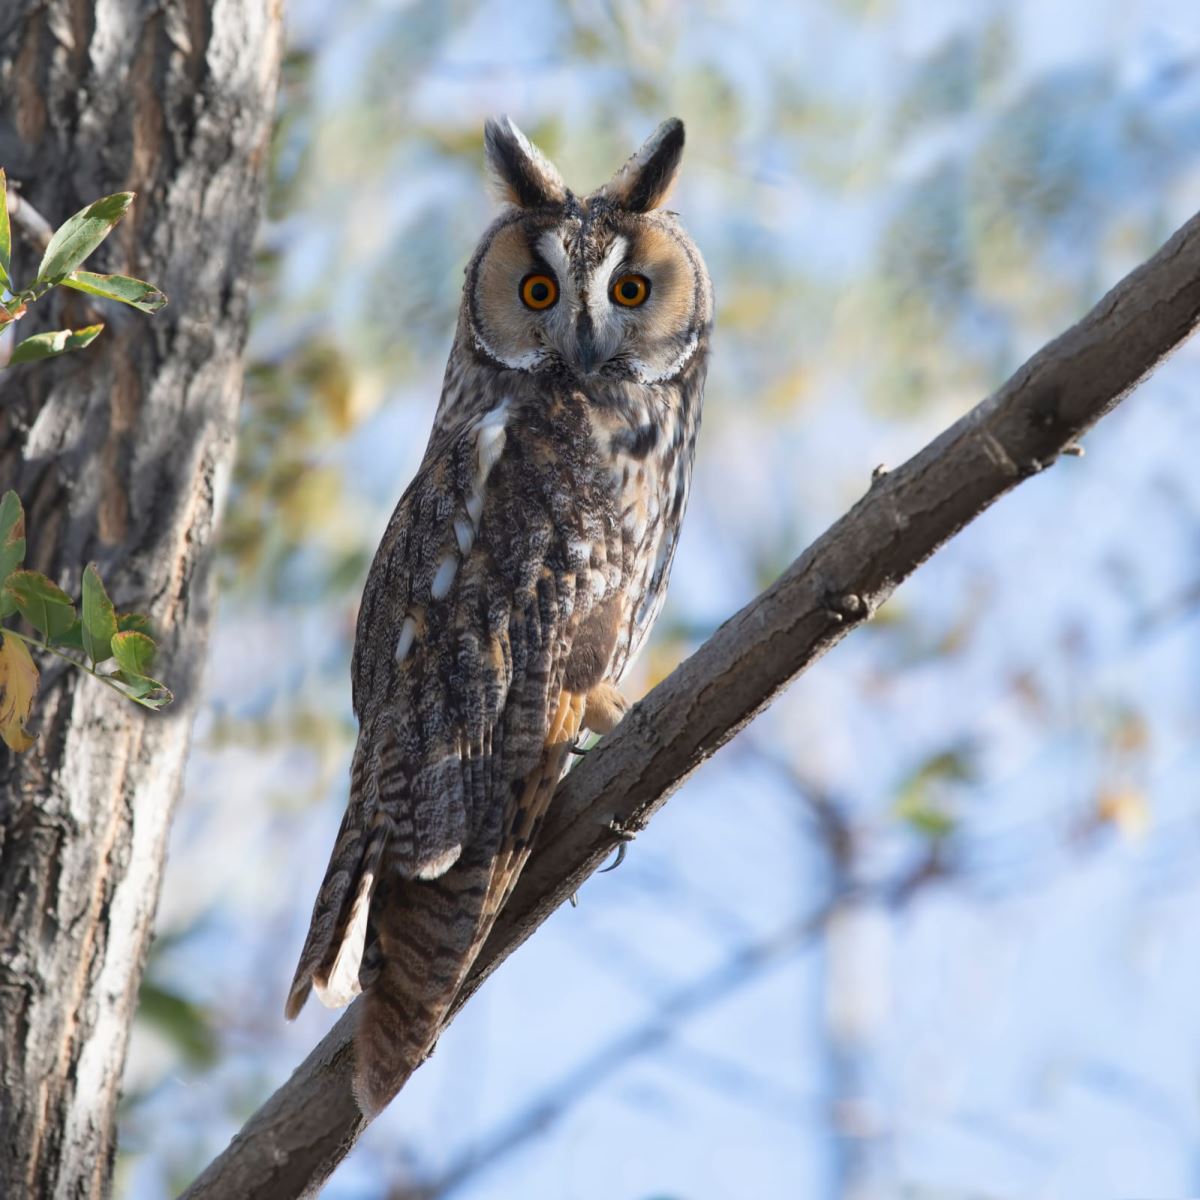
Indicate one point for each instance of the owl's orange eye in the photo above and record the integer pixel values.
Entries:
(631, 290)
(538, 291)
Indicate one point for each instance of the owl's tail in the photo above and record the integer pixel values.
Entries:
(431, 931)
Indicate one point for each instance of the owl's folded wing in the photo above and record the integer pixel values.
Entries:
(463, 641)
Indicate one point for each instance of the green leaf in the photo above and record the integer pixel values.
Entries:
(57, 341)
(5, 236)
(181, 1021)
(924, 816)
(136, 292)
(924, 800)
(79, 235)
(137, 622)
(72, 638)
(99, 617)
(146, 691)
(12, 544)
(41, 602)
(134, 653)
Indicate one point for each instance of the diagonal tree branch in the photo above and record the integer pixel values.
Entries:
(299, 1135)
(744, 966)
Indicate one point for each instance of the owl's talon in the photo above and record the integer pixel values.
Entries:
(622, 831)
(617, 861)
(844, 606)
(626, 836)
(576, 748)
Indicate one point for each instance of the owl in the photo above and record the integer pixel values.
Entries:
(517, 578)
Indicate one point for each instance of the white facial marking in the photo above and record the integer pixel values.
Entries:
(404, 643)
(521, 362)
(443, 577)
(646, 374)
(599, 302)
(551, 248)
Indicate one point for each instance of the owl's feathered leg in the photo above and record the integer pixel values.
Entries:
(604, 709)
(431, 931)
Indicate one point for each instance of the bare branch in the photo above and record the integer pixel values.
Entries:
(305, 1129)
(37, 229)
(744, 966)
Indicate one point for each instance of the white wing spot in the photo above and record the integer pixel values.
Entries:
(490, 436)
(443, 577)
(489, 440)
(464, 534)
(341, 985)
(441, 864)
(404, 643)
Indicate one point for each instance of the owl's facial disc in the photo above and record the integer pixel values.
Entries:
(608, 287)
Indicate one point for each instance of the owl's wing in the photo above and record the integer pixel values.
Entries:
(460, 671)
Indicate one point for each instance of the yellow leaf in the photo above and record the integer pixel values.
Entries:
(1127, 809)
(18, 686)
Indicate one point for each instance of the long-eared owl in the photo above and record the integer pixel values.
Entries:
(518, 576)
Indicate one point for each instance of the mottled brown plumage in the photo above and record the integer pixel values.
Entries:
(519, 574)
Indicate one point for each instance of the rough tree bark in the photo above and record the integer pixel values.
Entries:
(299, 1135)
(120, 454)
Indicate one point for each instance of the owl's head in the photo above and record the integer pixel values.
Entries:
(602, 287)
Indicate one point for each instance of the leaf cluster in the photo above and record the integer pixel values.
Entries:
(70, 244)
(89, 634)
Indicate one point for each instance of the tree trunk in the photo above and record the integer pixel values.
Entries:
(120, 454)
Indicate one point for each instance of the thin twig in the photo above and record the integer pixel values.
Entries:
(36, 228)
(109, 680)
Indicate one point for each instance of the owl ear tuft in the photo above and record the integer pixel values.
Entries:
(520, 173)
(645, 180)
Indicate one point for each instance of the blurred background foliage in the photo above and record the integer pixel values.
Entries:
(927, 929)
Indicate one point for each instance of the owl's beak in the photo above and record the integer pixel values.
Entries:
(587, 352)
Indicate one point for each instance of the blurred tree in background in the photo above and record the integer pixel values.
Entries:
(980, 975)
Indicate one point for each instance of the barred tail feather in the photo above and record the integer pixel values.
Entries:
(429, 935)
(336, 935)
